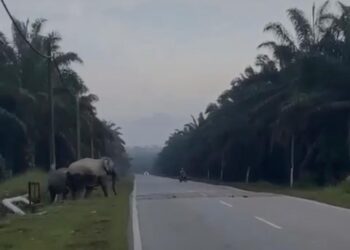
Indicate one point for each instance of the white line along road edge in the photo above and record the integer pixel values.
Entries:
(135, 221)
(268, 222)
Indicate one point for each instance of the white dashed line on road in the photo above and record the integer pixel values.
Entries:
(226, 204)
(268, 222)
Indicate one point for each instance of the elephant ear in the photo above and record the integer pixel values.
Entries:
(108, 165)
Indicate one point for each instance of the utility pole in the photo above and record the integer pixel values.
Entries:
(92, 149)
(78, 125)
(291, 177)
(52, 146)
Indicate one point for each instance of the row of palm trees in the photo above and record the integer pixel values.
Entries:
(285, 118)
(25, 104)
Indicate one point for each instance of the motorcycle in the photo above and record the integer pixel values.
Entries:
(183, 178)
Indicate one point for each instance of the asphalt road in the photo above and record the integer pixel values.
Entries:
(198, 216)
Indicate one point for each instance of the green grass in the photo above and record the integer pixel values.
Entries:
(97, 223)
(18, 184)
(335, 195)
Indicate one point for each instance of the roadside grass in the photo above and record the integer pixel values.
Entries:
(18, 184)
(97, 223)
(334, 195)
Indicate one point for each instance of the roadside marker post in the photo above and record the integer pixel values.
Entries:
(34, 195)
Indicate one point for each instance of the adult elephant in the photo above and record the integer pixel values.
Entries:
(86, 174)
(57, 183)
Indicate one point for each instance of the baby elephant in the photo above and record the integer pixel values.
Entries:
(57, 183)
(86, 174)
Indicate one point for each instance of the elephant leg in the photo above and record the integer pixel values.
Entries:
(74, 191)
(88, 191)
(103, 185)
(65, 193)
(74, 195)
(76, 184)
(52, 194)
(90, 182)
(58, 198)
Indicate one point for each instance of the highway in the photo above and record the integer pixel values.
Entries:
(198, 216)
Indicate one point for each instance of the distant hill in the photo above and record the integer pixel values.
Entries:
(143, 158)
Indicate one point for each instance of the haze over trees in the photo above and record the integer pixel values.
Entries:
(24, 105)
(284, 118)
(143, 158)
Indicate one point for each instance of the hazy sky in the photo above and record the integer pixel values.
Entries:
(153, 63)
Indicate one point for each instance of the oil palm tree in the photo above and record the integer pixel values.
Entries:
(308, 34)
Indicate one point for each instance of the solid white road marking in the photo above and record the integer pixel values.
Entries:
(135, 221)
(226, 204)
(268, 222)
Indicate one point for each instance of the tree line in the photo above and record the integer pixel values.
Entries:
(25, 105)
(284, 119)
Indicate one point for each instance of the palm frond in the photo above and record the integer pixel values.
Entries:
(271, 100)
(322, 10)
(53, 38)
(67, 58)
(323, 19)
(262, 60)
(269, 45)
(73, 81)
(344, 8)
(3, 38)
(302, 27)
(13, 122)
(212, 107)
(91, 98)
(37, 26)
(249, 72)
(280, 32)
(194, 121)
(17, 38)
(26, 94)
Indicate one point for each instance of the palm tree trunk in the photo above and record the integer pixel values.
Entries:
(349, 135)
(311, 149)
(291, 177)
(52, 114)
(222, 166)
(92, 147)
(247, 175)
(78, 125)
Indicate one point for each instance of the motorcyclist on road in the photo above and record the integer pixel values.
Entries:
(182, 172)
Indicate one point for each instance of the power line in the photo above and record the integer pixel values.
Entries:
(15, 24)
(20, 32)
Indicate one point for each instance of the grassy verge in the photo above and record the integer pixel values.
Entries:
(96, 223)
(334, 195)
(18, 185)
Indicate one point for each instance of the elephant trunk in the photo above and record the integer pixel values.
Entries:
(114, 179)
